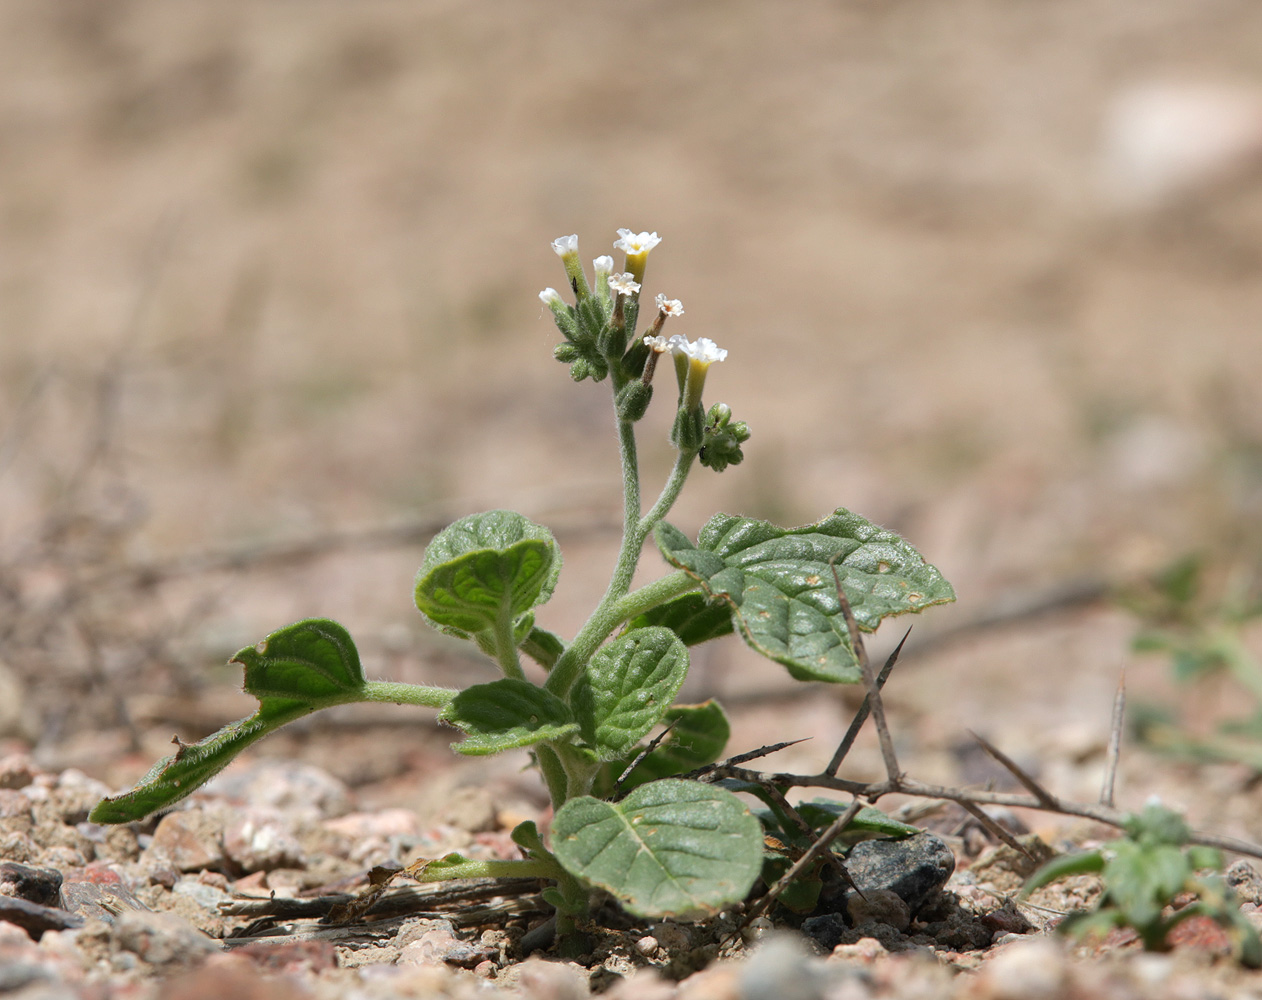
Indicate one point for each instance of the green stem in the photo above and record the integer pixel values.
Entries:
(405, 694)
(554, 775)
(670, 493)
(614, 608)
(605, 619)
(506, 647)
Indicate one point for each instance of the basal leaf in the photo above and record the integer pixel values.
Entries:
(485, 567)
(192, 765)
(693, 617)
(780, 587)
(309, 661)
(627, 687)
(669, 849)
(505, 714)
(309, 665)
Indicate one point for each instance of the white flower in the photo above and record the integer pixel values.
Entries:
(550, 297)
(603, 265)
(706, 351)
(678, 344)
(671, 307)
(658, 344)
(564, 245)
(624, 284)
(636, 243)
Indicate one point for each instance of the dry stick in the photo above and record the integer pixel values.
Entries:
(1115, 742)
(869, 679)
(654, 743)
(720, 769)
(804, 827)
(1038, 791)
(874, 790)
(822, 844)
(995, 829)
(861, 716)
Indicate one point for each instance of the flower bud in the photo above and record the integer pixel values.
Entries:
(633, 400)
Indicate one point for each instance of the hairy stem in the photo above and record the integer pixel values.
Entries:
(405, 694)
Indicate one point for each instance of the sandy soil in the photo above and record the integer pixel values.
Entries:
(988, 275)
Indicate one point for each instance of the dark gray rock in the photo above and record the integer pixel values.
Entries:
(827, 929)
(913, 868)
(35, 885)
(35, 919)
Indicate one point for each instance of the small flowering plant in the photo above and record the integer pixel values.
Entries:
(624, 822)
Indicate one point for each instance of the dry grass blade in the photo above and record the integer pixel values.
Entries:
(861, 716)
(1048, 800)
(1115, 743)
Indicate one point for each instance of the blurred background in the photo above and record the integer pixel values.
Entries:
(988, 273)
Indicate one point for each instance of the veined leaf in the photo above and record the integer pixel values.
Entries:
(779, 584)
(505, 714)
(627, 687)
(698, 737)
(485, 567)
(309, 665)
(669, 849)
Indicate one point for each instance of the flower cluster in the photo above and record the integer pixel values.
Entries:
(600, 341)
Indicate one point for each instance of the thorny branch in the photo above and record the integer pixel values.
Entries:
(896, 782)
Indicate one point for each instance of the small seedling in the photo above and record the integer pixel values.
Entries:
(667, 847)
(1143, 873)
(1201, 625)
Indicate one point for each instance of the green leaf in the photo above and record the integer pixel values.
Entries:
(544, 647)
(505, 714)
(192, 765)
(627, 687)
(484, 568)
(669, 849)
(693, 617)
(309, 661)
(1141, 881)
(698, 738)
(867, 824)
(309, 665)
(1083, 863)
(780, 587)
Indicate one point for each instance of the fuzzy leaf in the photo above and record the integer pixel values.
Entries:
(192, 765)
(669, 849)
(309, 665)
(505, 714)
(627, 687)
(780, 586)
(308, 661)
(485, 567)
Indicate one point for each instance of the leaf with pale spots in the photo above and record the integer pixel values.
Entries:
(627, 687)
(778, 584)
